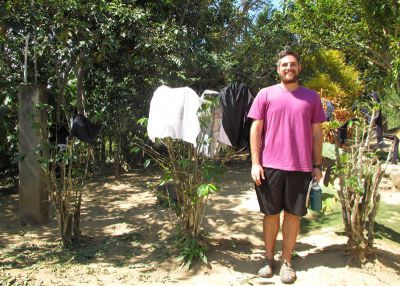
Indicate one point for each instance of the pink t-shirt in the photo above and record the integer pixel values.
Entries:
(287, 135)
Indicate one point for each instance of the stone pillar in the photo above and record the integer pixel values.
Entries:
(33, 199)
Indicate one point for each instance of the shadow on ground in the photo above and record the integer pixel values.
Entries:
(124, 227)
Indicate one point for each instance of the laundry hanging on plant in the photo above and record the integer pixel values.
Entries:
(83, 129)
(236, 100)
(59, 135)
(173, 113)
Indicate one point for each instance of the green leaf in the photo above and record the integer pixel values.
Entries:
(146, 163)
(143, 121)
(184, 163)
(135, 150)
(205, 189)
(180, 257)
(328, 150)
(203, 257)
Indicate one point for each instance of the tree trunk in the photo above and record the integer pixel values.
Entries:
(77, 219)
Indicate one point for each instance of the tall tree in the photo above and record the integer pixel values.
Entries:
(365, 30)
(252, 59)
(107, 57)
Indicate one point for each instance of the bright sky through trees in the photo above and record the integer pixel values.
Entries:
(276, 3)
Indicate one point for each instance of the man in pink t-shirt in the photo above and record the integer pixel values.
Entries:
(286, 152)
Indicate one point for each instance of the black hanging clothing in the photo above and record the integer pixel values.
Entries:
(58, 134)
(342, 131)
(84, 130)
(378, 119)
(236, 100)
(328, 164)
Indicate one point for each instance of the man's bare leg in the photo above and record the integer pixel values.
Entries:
(271, 229)
(290, 229)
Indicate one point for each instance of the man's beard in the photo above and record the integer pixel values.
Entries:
(291, 79)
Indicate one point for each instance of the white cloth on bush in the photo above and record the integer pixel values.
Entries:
(173, 113)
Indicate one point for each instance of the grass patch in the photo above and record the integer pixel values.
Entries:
(330, 217)
(387, 225)
(318, 221)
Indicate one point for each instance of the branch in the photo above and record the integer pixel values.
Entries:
(384, 63)
(248, 5)
(343, 201)
(396, 10)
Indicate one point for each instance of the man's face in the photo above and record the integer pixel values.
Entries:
(288, 69)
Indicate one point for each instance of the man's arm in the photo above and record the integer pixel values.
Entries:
(257, 171)
(317, 150)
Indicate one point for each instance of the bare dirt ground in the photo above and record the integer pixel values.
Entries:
(128, 242)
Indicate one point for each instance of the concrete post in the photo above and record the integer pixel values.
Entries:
(33, 199)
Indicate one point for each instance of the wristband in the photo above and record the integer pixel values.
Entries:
(318, 166)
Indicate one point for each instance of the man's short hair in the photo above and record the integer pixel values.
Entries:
(287, 52)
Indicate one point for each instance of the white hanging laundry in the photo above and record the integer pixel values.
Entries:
(173, 113)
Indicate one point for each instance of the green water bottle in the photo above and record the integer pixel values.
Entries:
(316, 197)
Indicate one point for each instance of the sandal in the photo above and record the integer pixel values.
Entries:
(266, 270)
(287, 273)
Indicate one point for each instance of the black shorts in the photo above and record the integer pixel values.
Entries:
(283, 190)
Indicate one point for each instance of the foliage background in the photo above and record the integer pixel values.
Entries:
(106, 58)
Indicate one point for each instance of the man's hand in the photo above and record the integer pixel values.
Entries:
(257, 173)
(317, 174)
